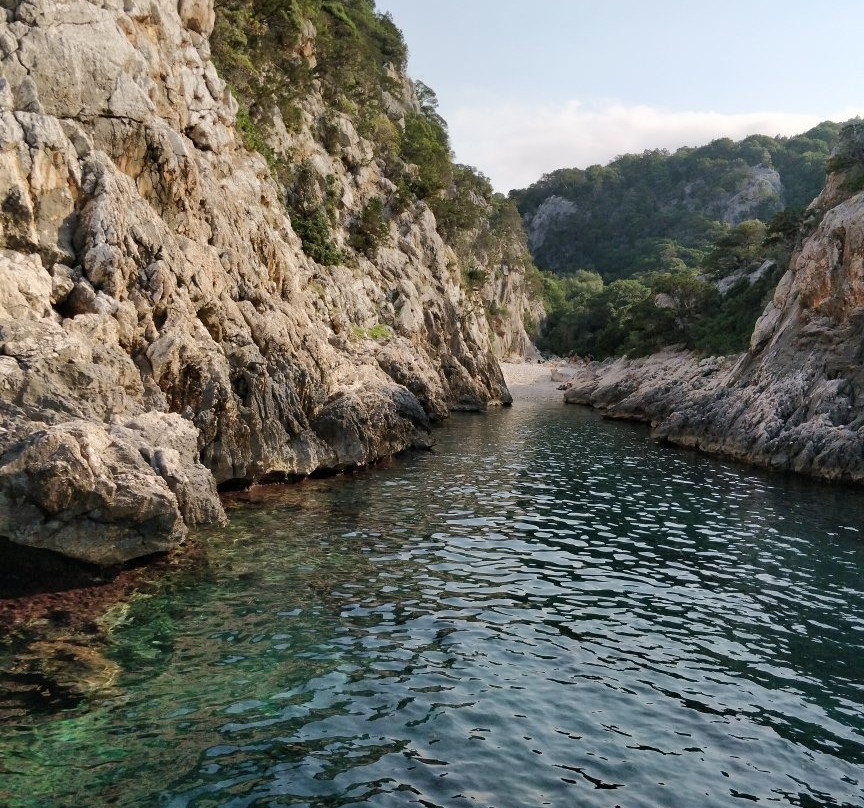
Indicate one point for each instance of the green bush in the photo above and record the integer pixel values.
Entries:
(425, 144)
(739, 246)
(314, 232)
(311, 204)
(370, 229)
(850, 147)
(253, 138)
(728, 328)
(474, 275)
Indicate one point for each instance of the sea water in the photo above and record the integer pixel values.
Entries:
(548, 610)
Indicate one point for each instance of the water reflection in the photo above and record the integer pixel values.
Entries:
(548, 610)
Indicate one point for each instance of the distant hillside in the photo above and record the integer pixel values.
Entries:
(793, 399)
(657, 211)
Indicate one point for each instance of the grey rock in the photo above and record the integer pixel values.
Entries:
(27, 99)
(78, 490)
(793, 400)
(161, 329)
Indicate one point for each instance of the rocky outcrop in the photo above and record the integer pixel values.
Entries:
(793, 401)
(549, 216)
(161, 329)
(759, 193)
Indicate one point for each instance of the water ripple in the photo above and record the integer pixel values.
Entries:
(549, 610)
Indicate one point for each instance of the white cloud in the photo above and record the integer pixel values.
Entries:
(516, 144)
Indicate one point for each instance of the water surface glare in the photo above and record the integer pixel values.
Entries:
(548, 610)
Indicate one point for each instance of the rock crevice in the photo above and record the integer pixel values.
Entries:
(161, 329)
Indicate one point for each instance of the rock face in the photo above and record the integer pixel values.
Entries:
(161, 329)
(793, 401)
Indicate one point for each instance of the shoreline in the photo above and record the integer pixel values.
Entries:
(70, 596)
(532, 381)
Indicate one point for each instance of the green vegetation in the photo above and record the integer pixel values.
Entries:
(652, 310)
(850, 147)
(485, 229)
(734, 248)
(281, 54)
(257, 45)
(848, 157)
(654, 236)
(661, 211)
(311, 203)
(370, 229)
(271, 53)
(378, 331)
(261, 48)
(425, 145)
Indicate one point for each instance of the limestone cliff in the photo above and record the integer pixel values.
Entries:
(162, 327)
(793, 401)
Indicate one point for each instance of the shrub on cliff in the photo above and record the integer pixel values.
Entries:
(256, 43)
(848, 157)
(370, 228)
(425, 144)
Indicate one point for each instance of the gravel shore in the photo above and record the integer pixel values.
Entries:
(532, 382)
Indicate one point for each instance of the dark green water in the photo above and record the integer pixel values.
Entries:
(549, 610)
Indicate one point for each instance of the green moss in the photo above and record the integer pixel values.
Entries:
(379, 331)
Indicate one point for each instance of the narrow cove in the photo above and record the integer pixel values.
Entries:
(549, 609)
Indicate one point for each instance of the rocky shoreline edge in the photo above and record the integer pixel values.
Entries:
(724, 406)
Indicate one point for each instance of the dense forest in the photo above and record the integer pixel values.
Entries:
(655, 210)
(664, 249)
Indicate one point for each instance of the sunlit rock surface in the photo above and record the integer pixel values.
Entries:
(161, 330)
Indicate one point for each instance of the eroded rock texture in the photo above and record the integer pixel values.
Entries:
(161, 330)
(794, 400)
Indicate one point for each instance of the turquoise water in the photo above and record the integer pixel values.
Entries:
(548, 610)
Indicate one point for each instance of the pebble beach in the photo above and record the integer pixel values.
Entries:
(532, 382)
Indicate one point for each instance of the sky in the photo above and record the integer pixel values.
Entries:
(531, 86)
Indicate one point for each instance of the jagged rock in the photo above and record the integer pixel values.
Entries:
(793, 400)
(552, 211)
(105, 494)
(197, 15)
(761, 187)
(156, 307)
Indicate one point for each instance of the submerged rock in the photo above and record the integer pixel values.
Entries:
(63, 671)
